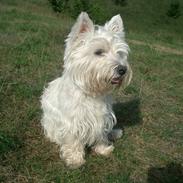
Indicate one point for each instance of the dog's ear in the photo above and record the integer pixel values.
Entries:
(83, 25)
(115, 25)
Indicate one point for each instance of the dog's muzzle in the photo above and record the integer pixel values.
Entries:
(121, 71)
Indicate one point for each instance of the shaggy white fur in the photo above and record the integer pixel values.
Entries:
(77, 107)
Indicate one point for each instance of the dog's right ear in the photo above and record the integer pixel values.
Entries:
(115, 25)
(83, 25)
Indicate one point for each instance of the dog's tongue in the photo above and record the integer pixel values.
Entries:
(116, 81)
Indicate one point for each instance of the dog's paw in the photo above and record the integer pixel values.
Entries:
(72, 159)
(74, 162)
(103, 149)
(115, 134)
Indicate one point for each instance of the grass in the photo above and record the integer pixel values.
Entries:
(150, 109)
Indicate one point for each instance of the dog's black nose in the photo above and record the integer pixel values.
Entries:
(121, 70)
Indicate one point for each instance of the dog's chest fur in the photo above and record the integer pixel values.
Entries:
(89, 118)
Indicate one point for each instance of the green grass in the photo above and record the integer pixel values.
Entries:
(150, 109)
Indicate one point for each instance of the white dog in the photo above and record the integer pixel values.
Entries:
(77, 107)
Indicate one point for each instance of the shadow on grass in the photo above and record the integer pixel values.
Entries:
(128, 113)
(172, 173)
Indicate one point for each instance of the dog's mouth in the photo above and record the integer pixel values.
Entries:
(117, 81)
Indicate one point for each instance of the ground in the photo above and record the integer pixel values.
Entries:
(150, 110)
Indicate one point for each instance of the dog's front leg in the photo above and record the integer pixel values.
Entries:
(72, 152)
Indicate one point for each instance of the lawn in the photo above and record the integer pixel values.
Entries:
(150, 110)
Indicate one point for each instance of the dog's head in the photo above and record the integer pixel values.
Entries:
(96, 56)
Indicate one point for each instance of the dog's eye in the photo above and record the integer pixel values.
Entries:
(99, 52)
(120, 53)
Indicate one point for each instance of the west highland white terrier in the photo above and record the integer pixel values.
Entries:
(77, 107)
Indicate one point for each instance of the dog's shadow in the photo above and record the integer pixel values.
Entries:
(128, 113)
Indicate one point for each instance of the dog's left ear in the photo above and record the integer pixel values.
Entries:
(115, 25)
